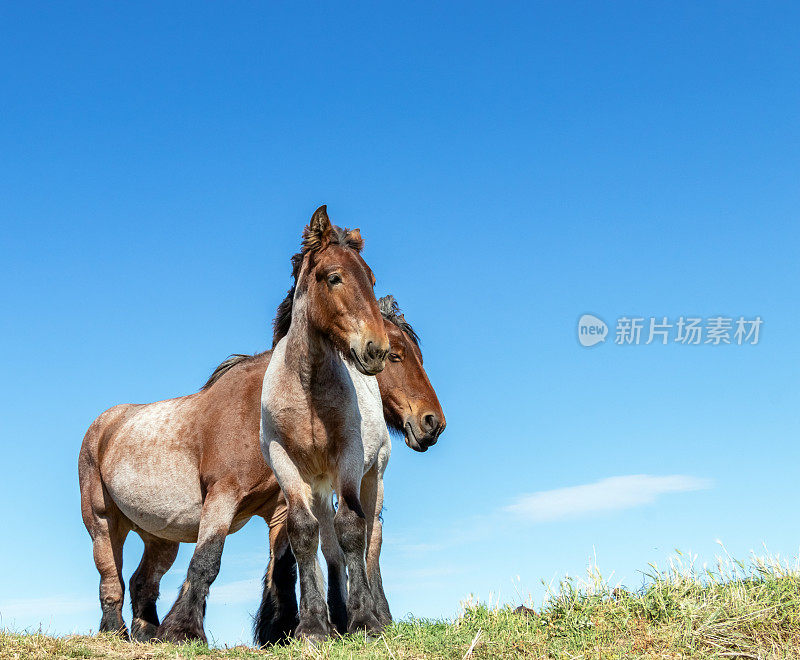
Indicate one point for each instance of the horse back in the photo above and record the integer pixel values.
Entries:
(158, 460)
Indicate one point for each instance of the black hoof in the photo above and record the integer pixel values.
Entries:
(312, 638)
(115, 626)
(365, 621)
(314, 631)
(179, 632)
(143, 631)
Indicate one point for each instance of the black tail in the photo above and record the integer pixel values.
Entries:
(277, 616)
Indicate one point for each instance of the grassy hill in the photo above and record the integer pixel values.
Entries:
(731, 611)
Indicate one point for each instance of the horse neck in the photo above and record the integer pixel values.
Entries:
(307, 350)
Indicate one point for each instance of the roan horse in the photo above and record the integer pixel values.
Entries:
(404, 386)
(322, 426)
(399, 389)
(151, 468)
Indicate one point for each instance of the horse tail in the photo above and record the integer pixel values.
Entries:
(277, 615)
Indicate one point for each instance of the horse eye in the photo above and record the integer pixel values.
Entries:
(394, 357)
(334, 279)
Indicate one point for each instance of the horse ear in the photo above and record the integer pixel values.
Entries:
(354, 240)
(318, 232)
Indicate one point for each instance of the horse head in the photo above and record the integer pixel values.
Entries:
(336, 286)
(410, 404)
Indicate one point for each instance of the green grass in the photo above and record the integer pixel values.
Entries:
(731, 610)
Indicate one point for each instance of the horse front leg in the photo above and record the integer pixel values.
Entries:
(304, 538)
(185, 619)
(372, 500)
(351, 529)
(303, 530)
(334, 558)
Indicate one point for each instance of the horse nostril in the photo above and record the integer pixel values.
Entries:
(371, 350)
(430, 422)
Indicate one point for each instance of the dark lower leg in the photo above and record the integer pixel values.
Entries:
(304, 538)
(351, 530)
(277, 616)
(111, 606)
(334, 558)
(337, 596)
(158, 556)
(374, 574)
(185, 619)
(372, 501)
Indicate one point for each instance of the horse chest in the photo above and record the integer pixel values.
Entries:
(372, 431)
(337, 413)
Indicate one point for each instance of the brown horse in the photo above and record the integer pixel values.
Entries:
(322, 427)
(399, 387)
(158, 469)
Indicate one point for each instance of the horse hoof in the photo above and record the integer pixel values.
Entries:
(313, 633)
(119, 632)
(368, 622)
(179, 634)
(113, 623)
(312, 637)
(143, 631)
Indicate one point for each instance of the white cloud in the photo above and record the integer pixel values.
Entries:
(609, 494)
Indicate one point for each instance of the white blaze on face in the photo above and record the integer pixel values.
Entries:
(357, 342)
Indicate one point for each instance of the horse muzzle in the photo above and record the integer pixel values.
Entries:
(423, 433)
(372, 359)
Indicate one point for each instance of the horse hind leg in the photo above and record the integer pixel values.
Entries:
(108, 529)
(158, 557)
(185, 620)
(277, 615)
(107, 549)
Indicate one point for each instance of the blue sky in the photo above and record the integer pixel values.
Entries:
(511, 168)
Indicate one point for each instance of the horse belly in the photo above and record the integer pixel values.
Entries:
(163, 499)
(154, 481)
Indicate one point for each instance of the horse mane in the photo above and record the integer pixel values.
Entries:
(312, 241)
(226, 365)
(390, 310)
